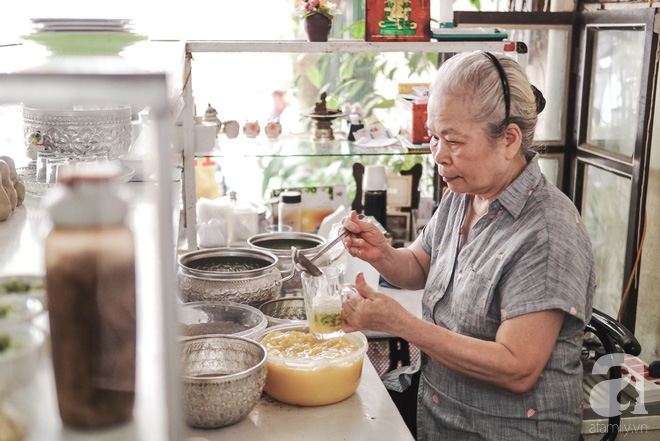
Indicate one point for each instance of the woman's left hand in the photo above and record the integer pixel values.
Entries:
(370, 310)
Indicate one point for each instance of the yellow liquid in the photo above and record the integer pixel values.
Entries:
(325, 323)
(306, 386)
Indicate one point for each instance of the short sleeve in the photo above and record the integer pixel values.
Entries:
(552, 271)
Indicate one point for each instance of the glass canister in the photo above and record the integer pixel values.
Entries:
(90, 284)
(290, 210)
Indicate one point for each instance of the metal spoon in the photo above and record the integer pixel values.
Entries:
(307, 265)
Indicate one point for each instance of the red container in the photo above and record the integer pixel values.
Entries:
(412, 115)
(390, 20)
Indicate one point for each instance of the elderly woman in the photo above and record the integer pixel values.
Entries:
(505, 263)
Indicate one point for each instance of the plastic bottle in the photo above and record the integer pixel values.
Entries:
(289, 211)
(90, 284)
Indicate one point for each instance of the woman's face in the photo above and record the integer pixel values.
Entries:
(468, 161)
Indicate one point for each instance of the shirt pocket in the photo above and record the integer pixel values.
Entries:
(476, 302)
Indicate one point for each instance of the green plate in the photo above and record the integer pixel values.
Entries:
(85, 43)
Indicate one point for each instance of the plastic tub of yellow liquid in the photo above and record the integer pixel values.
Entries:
(307, 371)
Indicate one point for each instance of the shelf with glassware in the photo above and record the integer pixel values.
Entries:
(300, 147)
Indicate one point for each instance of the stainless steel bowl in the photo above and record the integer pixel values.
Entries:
(229, 318)
(223, 377)
(284, 310)
(240, 275)
(280, 245)
(79, 132)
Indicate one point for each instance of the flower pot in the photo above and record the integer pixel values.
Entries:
(317, 27)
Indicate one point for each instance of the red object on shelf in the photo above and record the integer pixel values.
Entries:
(398, 20)
(412, 115)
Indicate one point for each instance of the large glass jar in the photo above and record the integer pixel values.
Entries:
(90, 284)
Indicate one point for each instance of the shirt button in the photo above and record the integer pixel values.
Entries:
(435, 398)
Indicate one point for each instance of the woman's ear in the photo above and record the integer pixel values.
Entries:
(513, 140)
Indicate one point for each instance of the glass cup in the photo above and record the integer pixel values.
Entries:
(42, 164)
(102, 156)
(85, 162)
(54, 168)
(324, 296)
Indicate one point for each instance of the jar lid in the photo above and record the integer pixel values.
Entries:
(290, 197)
(87, 198)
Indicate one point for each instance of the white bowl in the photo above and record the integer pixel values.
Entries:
(18, 362)
(16, 308)
(29, 285)
(141, 167)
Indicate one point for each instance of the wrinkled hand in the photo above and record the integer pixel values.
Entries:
(365, 240)
(369, 310)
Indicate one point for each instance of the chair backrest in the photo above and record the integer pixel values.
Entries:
(615, 338)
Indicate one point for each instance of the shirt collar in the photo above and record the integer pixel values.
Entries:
(515, 196)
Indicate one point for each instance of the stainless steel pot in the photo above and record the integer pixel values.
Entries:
(239, 275)
(280, 245)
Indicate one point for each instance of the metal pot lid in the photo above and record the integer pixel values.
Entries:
(281, 243)
(227, 263)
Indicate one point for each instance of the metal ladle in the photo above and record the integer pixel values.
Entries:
(304, 264)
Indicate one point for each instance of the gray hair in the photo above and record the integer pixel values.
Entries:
(476, 75)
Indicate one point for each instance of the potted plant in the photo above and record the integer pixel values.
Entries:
(317, 15)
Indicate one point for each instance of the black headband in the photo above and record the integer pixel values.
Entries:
(538, 96)
(505, 83)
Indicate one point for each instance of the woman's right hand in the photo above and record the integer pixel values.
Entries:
(365, 240)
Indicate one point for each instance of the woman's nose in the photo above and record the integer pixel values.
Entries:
(439, 154)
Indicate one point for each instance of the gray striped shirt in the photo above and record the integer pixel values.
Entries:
(530, 252)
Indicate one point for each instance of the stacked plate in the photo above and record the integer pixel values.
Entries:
(83, 36)
(81, 25)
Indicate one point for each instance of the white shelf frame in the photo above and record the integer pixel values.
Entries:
(347, 46)
(139, 90)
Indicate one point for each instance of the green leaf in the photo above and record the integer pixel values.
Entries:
(386, 104)
(314, 75)
(348, 69)
(358, 84)
(358, 31)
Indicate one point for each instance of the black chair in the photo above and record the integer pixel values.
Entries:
(615, 338)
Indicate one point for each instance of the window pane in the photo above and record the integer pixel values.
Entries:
(550, 168)
(546, 69)
(615, 86)
(605, 214)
